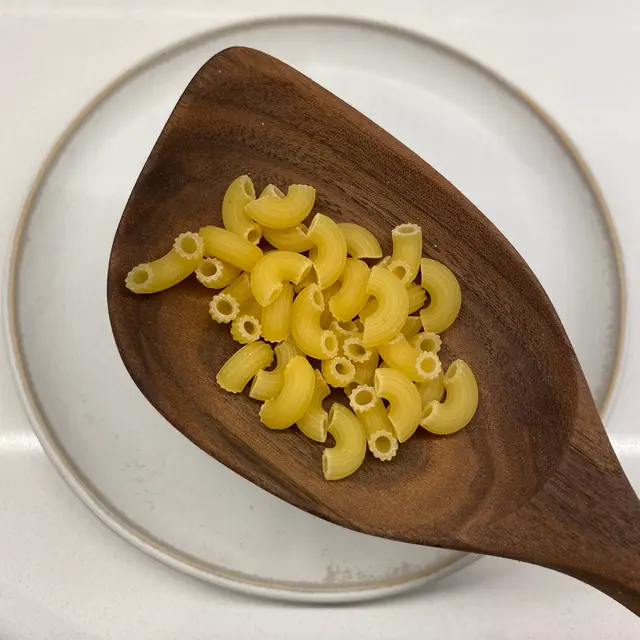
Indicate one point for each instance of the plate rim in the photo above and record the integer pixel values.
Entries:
(90, 496)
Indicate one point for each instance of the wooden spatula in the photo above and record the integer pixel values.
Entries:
(533, 477)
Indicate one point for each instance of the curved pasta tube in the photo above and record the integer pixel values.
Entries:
(417, 296)
(294, 397)
(418, 366)
(268, 384)
(181, 261)
(411, 327)
(230, 247)
(426, 341)
(288, 239)
(446, 297)
(214, 273)
(361, 243)
(243, 365)
(238, 195)
(349, 300)
(338, 372)
(407, 248)
(382, 442)
(365, 370)
(332, 249)
(310, 278)
(310, 337)
(459, 405)
(246, 326)
(401, 270)
(315, 419)
(405, 406)
(276, 317)
(281, 212)
(225, 306)
(432, 390)
(355, 351)
(343, 330)
(392, 310)
(351, 445)
(273, 269)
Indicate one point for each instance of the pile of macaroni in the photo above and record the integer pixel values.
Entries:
(333, 307)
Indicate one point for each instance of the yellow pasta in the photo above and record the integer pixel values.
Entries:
(459, 405)
(239, 194)
(327, 317)
(332, 249)
(338, 372)
(271, 190)
(294, 398)
(350, 448)
(281, 212)
(310, 337)
(426, 341)
(343, 330)
(365, 370)
(392, 310)
(432, 390)
(405, 406)
(273, 269)
(246, 326)
(310, 278)
(276, 317)
(289, 238)
(411, 327)
(417, 296)
(361, 243)
(243, 365)
(382, 442)
(230, 247)
(225, 306)
(268, 384)
(347, 303)
(418, 366)
(181, 261)
(214, 273)
(315, 419)
(369, 309)
(446, 297)
(354, 349)
(407, 248)
(401, 270)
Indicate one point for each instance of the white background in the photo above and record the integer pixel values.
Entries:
(62, 573)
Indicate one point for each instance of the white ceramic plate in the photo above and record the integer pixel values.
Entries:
(137, 473)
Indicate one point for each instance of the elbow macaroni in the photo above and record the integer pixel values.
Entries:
(338, 372)
(331, 247)
(239, 194)
(273, 269)
(349, 300)
(361, 243)
(214, 273)
(243, 365)
(230, 247)
(281, 212)
(276, 317)
(382, 442)
(405, 406)
(351, 446)
(289, 238)
(446, 297)
(268, 384)
(310, 337)
(407, 249)
(315, 419)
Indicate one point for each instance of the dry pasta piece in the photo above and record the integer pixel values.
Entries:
(243, 365)
(338, 372)
(310, 337)
(405, 406)
(407, 248)
(230, 247)
(349, 300)
(294, 398)
(181, 261)
(331, 249)
(418, 366)
(417, 296)
(315, 419)
(446, 297)
(432, 390)
(281, 212)
(276, 317)
(225, 306)
(310, 278)
(268, 384)
(369, 309)
(401, 270)
(214, 273)
(459, 405)
(343, 330)
(354, 349)
(289, 238)
(246, 326)
(381, 439)
(426, 341)
(393, 307)
(365, 370)
(275, 268)
(238, 195)
(411, 327)
(271, 190)
(361, 243)
(350, 448)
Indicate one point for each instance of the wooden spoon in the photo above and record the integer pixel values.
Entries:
(533, 477)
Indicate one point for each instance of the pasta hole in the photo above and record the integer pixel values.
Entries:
(224, 307)
(357, 349)
(427, 411)
(330, 343)
(209, 269)
(249, 327)
(383, 444)
(253, 235)
(250, 191)
(428, 365)
(451, 372)
(407, 229)
(318, 299)
(189, 245)
(342, 368)
(140, 276)
(363, 397)
(399, 271)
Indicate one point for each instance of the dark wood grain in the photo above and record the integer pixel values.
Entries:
(532, 478)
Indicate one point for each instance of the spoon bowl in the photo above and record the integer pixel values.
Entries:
(533, 477)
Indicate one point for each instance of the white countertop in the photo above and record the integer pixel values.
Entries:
(65, 575)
